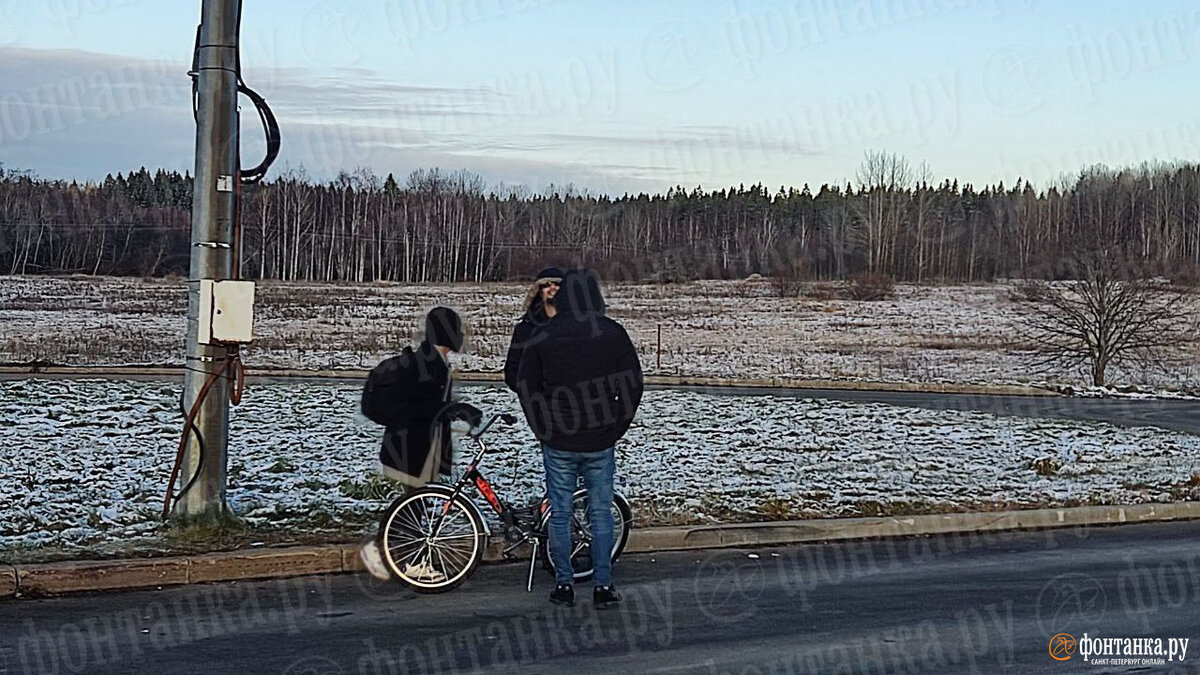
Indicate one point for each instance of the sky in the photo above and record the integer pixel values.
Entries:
(621, 95)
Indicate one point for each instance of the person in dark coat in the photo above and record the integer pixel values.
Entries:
(580, 384)
(418, 447)
(539, 309)
(414, 395)
(412, 398)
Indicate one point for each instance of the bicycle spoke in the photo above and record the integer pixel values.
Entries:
(451, 519)
(434, 552)
(456, 515)
(418, 532)
(401, 534)
(402, 562)
(405, 537)
(450, 540)
(459, 558)
(431, 519)
(406, 530)
(464, 535)
(452, 547)
(460, 530)
(412, 517)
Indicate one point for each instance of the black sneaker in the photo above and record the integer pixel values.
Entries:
(604, 597)
(563, 594)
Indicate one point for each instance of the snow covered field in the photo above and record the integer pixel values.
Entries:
(956, 334)
(87, 461)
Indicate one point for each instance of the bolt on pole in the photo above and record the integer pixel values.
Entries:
(203, 473)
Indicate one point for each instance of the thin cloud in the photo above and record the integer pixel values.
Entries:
(74, 114)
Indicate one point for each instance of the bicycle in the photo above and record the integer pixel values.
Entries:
(433, 538)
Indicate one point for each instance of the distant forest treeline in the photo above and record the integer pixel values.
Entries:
(437, 226)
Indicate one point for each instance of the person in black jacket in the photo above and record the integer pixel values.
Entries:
(580, 384)
(415, 391)
(417, 447)
(539, 309)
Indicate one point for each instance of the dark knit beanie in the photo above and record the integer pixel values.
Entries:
(551, 272)
(443, 328)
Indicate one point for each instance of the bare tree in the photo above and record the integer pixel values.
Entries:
(1108, 315)
(884, 179)
(446, 226)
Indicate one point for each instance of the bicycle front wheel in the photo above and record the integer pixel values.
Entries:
(429, 545)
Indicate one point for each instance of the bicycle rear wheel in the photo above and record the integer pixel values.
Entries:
(430, 561)
(581, 533)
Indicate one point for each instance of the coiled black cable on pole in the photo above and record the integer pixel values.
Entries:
(270, 126)
(265, 115)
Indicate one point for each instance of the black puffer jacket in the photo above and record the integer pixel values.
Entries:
(425, 380)
(523, 334)
(580, 381)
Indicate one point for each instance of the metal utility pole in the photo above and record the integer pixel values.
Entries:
(213, 212)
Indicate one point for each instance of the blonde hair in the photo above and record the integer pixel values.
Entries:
(532, 295)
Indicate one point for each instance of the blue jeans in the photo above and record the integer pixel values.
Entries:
(562, 475)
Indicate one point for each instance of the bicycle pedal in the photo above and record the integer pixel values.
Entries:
(509, 556)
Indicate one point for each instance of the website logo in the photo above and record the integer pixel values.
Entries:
(1062, 647)
(1119, 651)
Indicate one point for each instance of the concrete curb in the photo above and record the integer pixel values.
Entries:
(803, 531)
(68, 577)
(8, 581)
(653, 380)
(265, 563)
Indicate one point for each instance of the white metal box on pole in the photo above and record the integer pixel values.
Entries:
(226, 312)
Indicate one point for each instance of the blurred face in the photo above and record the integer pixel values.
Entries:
(548, 288)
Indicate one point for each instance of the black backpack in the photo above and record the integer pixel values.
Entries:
(385, 395)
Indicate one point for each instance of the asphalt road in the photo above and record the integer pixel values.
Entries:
(1174, 414)
(958, 604)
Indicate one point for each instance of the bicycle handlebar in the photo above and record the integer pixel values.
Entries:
(504, 418)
